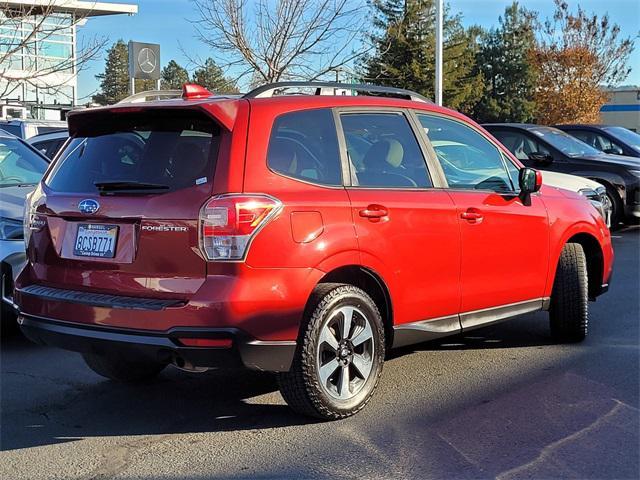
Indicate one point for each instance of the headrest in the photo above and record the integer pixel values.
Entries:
(384, 154)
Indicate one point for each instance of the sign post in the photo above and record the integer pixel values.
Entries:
(144, 63)
(438, 85)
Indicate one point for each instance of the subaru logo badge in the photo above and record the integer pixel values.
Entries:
(88, 206)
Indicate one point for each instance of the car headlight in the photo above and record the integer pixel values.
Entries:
(590, 193)
(10, 229)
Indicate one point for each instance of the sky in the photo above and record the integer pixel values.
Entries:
(167, 22)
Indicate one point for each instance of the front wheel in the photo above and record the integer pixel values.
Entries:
(340, 356)
(569, 309)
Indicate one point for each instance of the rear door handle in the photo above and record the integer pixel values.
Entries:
(374, 212)
(472, 216)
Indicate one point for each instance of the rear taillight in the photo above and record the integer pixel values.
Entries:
(229, 222)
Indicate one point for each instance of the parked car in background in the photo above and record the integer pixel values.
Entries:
(548, 148)
(606, 138)
(21, 167)
(595, 192)
(27, 128)
(49, 143)
(299, 234)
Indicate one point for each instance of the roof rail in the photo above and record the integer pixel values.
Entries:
(329, 88)
(151, 95)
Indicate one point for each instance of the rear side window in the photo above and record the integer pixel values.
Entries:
(169, 149)
(304, 145)
(383, 151)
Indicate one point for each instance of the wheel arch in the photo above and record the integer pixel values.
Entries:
(373, 284)
(595, 260)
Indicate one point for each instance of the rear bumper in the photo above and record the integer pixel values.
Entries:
(245, 351)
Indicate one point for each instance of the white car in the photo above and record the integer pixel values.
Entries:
(594, 191)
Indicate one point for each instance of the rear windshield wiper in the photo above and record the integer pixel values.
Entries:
(128, 187)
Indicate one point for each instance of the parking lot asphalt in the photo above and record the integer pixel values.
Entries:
(501, 402)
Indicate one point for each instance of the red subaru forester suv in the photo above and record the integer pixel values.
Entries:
(300, 234)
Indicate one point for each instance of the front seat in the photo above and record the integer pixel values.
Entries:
(382, 164)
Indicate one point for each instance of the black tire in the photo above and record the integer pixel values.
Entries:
(9, 323)
(301, 386)
(126, 369)
(617, 208)
(569, 310)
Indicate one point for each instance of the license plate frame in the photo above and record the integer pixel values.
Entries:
(102, 238)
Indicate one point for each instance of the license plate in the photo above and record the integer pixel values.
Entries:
(96, 240)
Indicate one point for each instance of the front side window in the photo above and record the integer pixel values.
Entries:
(469, 161)
(383, 151)
(304, 145)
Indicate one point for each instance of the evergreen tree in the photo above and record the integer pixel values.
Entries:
(509, 76)
(211, 77)
(404, 52)
(114, 81)
(173, 76)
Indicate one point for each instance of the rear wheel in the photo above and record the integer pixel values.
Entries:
(340, 356)
(569, 312)
(121, 368)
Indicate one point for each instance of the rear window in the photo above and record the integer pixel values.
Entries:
(171, 149)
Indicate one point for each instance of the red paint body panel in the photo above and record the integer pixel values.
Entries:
(433, 261)
(495, 247)
(415, 249)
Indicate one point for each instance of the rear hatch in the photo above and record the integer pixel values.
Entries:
(122, 203)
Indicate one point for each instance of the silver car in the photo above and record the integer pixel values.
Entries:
(21, 167)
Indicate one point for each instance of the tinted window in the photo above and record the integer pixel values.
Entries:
(383, 151)
(468, 159)
(12, 129)
(172, 149)
(19, 164)
(520, 144)
(304, 145)
(570, 146)
(49, 147)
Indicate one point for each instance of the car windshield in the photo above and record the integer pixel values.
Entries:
(570, 146)
(627, 136)
(19, 165)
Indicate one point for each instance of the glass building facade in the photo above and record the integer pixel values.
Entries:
(43, 49)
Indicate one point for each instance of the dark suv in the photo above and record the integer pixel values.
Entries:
(299, 234)
(606, 138)
(551, 149)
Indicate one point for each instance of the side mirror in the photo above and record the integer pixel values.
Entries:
(530, 181)
(540, 157)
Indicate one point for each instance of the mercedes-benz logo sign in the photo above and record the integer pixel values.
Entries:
(88, 206)
(147, 60)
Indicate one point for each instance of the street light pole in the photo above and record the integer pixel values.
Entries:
(438, 86)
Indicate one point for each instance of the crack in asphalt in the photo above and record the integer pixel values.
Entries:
(548, 450)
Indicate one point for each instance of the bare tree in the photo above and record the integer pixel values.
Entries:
(27, 30)
(281, 39)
